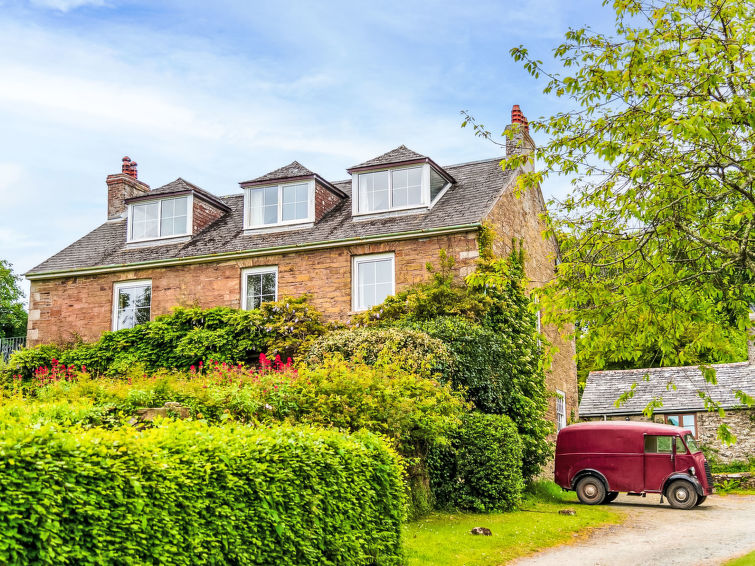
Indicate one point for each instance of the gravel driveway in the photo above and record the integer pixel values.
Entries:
(721, 528)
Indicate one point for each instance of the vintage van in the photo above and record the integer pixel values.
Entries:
(599, 460)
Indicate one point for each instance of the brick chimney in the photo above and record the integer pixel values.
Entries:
(122, 186)
(520, 142)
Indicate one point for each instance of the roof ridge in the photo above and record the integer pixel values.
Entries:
(663, 368)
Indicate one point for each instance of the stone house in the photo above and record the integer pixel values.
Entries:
(678, 389)
(348, 244)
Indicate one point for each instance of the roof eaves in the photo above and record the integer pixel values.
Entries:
(382, 166)
(290, 248)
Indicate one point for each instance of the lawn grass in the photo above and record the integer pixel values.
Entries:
(746, 560)
(444, 539)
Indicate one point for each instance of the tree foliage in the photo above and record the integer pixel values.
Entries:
(12, 313)
(490, 332)
(657, 233)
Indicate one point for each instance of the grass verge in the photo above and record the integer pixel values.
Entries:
(444, 539)
(746, 560)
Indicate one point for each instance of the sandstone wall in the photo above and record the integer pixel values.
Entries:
(63, 309)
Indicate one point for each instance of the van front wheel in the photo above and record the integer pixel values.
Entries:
(591, 490)
(681, 495)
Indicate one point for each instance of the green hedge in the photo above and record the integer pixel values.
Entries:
(182, 338)
(481, 469)
(188, 493)
(412, 349)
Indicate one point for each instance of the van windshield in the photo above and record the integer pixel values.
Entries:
(691, 444)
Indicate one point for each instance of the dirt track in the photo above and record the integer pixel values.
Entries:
(721, 528)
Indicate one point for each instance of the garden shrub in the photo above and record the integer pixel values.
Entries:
(413, 350)
(498, 378)
(182, 338)
(481, 469)
(412, 411)
(188, 493)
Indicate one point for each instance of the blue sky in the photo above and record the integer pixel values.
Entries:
(220, 92)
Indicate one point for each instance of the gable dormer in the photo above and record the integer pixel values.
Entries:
(400, 180)
(289, 197)
(173, 212)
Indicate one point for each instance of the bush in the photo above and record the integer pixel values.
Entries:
(188, 493)
(496, 351)
(413, 350)
(481, 470)
(413, 412)
(182, 338)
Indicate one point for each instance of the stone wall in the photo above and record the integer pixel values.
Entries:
(741, 422)
(63, 309)
(518, 218)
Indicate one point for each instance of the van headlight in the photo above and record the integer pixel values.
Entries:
(692, 471)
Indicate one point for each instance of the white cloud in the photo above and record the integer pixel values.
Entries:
(67, 5)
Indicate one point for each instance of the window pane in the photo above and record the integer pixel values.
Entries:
(374, 282)
(295, 202)
(407, 186)
(260, 288)
(437, 182)
(658, 444)
(373, 191)
(672, 420)
(263, 206)
(144, 221)
(133, 306)
(173, 217)
(680, 449)
(689, 422)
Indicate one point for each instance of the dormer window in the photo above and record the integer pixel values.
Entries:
(280, 204)
(383, 190)
(400, 180)
(289, 198)
(157, 219)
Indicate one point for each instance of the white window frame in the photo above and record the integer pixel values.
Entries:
(189, 218)
(560, 415)
(310, 205)
(256, 271)
(118, 285)
(356, 261)
(425, 188)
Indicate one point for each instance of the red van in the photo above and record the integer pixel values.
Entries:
(600, 459)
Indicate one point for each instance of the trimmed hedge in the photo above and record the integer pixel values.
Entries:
(188, 493)
(183, 338)
(481, 469)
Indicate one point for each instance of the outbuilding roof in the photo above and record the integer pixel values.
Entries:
(677, 387)
(463, 206)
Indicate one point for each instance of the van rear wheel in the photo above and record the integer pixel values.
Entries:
(681, 495)
(591, 490)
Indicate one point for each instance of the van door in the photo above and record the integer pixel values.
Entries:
(659, 460)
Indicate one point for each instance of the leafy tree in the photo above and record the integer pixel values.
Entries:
(658, 232)
(12, 313)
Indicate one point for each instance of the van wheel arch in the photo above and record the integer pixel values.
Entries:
(589, 472)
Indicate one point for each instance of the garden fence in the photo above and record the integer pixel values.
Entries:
(10, 345)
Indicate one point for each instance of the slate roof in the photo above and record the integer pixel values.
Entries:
(478, 185)
(398, 155)
(293, 169)
(181, 186)
(603, 388)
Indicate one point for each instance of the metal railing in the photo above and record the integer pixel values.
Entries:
(10, 345)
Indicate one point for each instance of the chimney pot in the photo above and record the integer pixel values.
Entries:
(122, 187)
